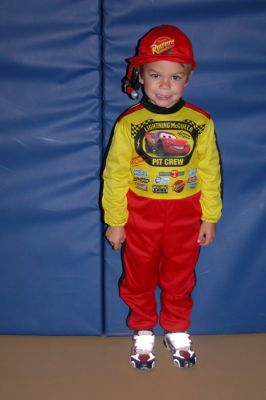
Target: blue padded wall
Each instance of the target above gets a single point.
(53, 57)
(50, 149)
(228, 38)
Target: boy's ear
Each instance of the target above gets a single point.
(188, 77)
(141, 81)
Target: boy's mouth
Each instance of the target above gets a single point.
(163, 97)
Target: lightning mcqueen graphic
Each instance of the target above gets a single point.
(165, 143)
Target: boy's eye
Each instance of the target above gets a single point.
(176, 77)
(155, 76)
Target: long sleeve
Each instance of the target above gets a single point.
(116, 177)
(209, 173)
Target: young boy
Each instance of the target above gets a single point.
(161, 195)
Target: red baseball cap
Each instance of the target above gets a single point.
(165, 42)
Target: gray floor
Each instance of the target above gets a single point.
(77, 368)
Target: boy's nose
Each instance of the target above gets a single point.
(165, 83)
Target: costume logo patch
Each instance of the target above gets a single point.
(166, 143)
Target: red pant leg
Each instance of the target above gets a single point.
(141, 261)
(180, 254)
(161, 249)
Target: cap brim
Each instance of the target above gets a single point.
(136, 61)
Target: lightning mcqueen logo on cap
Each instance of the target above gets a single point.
(162, 45)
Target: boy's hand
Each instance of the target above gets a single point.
(206, 233)
(115, 236)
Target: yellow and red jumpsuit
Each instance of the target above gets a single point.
(161, 179)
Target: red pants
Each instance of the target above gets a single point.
(161, 250)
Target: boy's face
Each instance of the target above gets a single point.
(164, 82)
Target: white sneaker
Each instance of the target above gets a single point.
(179, 344)
(142, 356)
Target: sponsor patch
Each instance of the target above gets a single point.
(141, 180)
(160, 189)
(140, 172)
(161, 179)
(164, 173)
(137, 161)
(192, 185)
(193, 179)
(178, 186)
(192, 182)
(192, 172)
(141, 186)
(173, 173)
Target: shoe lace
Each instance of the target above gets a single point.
(180, 340)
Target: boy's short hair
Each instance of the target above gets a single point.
(187, 67)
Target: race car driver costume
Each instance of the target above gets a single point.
(161, 179)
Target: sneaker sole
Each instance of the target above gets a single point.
(177, 363)
(144, 367)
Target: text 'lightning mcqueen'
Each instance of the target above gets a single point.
(164, 143)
